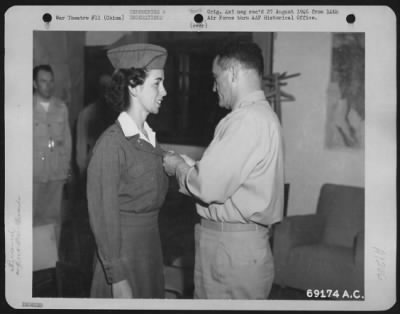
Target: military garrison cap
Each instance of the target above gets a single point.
(138, 56)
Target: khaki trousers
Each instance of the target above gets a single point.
(232, 265)
(47, 203)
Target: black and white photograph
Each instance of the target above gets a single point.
(205, 157)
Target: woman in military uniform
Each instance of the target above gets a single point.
(126, 181)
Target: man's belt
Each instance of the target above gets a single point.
(231, 227)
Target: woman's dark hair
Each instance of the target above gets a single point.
(117, 94)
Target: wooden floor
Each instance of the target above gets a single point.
(73, 273)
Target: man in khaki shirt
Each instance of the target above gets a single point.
(237, 184)
(51, 150)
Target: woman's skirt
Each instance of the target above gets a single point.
(141, 256)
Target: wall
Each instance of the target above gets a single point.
(308, 164)
(102, 38)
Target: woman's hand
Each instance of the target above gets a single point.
(122, 290)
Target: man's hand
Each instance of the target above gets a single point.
(171, 161)
(188, 160)
(122, 290)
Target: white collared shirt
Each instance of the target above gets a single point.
(240, 175)
(130, 128)
(45, 105)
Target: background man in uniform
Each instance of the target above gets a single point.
(51, 149)
(238, 183)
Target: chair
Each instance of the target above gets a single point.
(323, 250)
